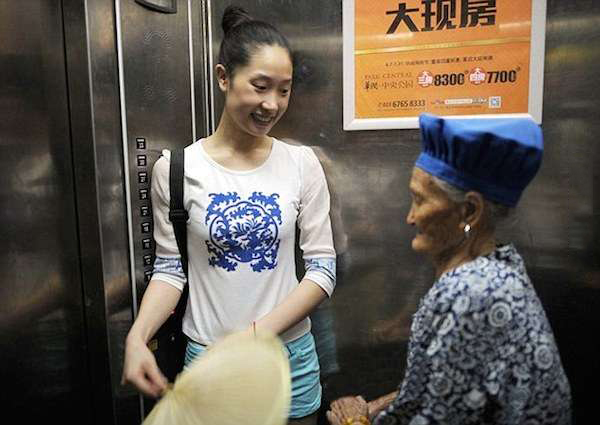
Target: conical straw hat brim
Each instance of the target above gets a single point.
(242, 379)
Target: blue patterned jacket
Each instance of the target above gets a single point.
(482, 351)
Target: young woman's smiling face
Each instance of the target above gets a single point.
(436, 218)
(258, 94)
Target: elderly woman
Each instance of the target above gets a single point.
(481, 350)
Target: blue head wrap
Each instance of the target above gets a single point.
(497, 157)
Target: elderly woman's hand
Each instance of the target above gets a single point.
(381, 403)
(348, 410)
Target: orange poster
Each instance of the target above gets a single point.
(447, 57)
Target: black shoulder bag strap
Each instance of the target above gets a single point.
(169, 337)
(178, 215)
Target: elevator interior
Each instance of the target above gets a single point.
(92, 91)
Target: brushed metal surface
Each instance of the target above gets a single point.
(98, 173)
(43, 346)
(68, 286)
(156, 67)
(557, 227)
(162, 109)
(199, 36)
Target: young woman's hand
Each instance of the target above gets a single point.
(351, 407)
(141, 371)
(140, 368)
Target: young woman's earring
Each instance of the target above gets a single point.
(467, 230)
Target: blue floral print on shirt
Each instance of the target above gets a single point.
(481, 351)
(243, 231)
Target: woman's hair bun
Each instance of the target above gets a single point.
(234, 16)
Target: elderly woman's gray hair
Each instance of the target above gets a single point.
(498, 214)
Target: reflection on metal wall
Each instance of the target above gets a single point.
(67, 281)
(158, 103)
(43, 345)
(561, 225)
(92, 70)
(381, 279)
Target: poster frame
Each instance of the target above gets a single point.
(536, 76)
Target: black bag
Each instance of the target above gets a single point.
(169, 342)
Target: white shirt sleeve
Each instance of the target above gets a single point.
(167, 266)
(316, 238)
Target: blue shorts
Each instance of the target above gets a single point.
(304, 367)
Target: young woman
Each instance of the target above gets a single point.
(245, 192)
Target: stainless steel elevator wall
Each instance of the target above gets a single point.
(157, 99)
(43, 345)
(380, 279)
(68, 283)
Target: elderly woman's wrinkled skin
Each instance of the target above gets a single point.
(440, 226)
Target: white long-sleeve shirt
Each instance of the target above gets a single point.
(241, 236)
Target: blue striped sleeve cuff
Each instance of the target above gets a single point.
(322, 272)
(169, 270)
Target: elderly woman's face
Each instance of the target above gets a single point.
(436, 218)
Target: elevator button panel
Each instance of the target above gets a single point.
(143, 158)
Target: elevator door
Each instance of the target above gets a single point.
(43, 348)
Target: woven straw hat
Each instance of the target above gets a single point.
(242, 379)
